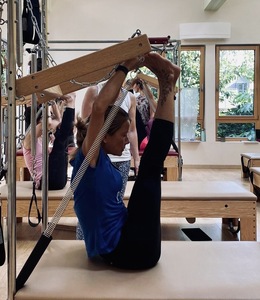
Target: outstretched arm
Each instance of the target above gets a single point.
(28, 138)
(107, 96)
(88, 100)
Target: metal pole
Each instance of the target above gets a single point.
(96, 41)
(33, 110)
(1, 112)
(180, 160)
(19, 34)
(85, 41)
(11, 220)
(45, 141)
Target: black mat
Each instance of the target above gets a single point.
(196, 234)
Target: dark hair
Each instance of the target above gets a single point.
(139, 82)
(82, 124)
(118, 121)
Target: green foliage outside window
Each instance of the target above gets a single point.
(236, 91)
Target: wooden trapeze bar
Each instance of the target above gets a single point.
(86, 68)
(68, 86)
(22, 101)
(150, 80)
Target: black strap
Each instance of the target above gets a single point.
(245, 169)
(256, 189)
(2, 243)
(175, 146)
(32, 261)
(251, 178)
(29, 31)
(34, 199)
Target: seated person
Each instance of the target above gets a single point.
(60, 130)
(125, 237)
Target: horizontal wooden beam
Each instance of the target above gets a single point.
(108, 57)
(69, 86)
(21, 101)
(150, 80)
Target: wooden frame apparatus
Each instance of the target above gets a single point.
(149, 79)
(56, 81)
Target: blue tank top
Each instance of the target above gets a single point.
(98, 205)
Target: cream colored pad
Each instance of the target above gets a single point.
(249, 160)
(186, 270)
(202, 199)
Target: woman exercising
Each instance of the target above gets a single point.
(60, 127)
(125, 237)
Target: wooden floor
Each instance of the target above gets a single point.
(171, 228)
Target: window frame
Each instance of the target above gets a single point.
(238, 119)
(201, 111)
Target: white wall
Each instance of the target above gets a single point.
(118, 20)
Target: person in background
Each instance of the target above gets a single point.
(124, 237)
(146, 106)
(60, 129)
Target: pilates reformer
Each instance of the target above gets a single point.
(216, 199)
(249, 160)
(97, 65)
(186, 270)
(46, 237)
(213, 254)
(254, 177)
(40, 247)
(165, 289)
(48, 84)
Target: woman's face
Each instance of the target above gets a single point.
(115, 144)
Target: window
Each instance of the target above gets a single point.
(237, 70)
(192, 63)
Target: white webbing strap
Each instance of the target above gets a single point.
(65, 200)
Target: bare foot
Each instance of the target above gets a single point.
(162, 68)
(69, 99)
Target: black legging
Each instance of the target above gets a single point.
(139, 246)
(58, 158)
(140, 128)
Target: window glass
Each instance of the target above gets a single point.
(236, 82)
(192, 91)
(237, 71)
